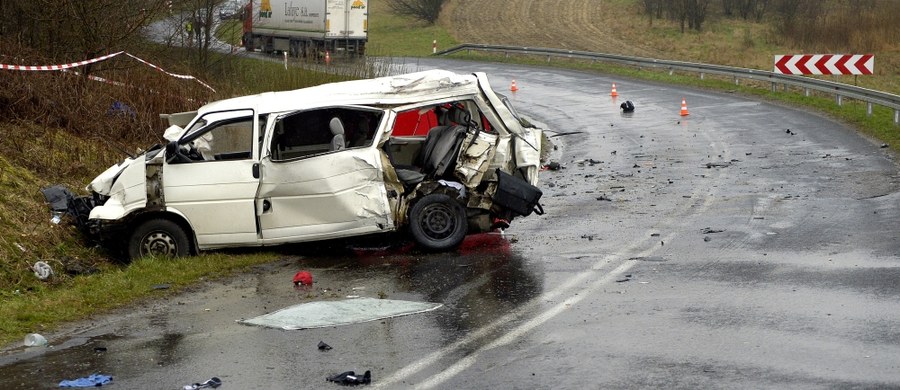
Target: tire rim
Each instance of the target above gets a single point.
(438, 221)
(159, 244)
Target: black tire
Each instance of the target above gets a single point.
(158, 237)
(438, 222)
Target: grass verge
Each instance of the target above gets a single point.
(43, 307)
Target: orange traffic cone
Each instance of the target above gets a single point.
(513, 87)
(614, 93)
(684, 111)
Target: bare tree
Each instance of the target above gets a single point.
(424, 10)
(76, 28)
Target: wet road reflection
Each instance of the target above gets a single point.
(481, 282)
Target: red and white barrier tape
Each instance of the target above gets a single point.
(98, 59)
(59, 67)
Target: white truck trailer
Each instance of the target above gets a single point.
(308, 28)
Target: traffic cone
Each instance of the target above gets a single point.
(614, 93)
(327, 58)
(684, 111)
(513, 87)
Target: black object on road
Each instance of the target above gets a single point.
(350, 378)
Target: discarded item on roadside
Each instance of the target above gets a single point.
(94, 380)
(627, 106)
(35, 340)
(323, 346)
(350, 378)
(708, 230)
(553, 166)
(303, 278)
(209, 383)
(416, 153)
(42, 270)
(333, 313)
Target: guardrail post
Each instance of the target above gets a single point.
(701, 75)
(737, 81)
(896, 116)
(774, 87)
(548, 59)
(840, 100)
(806, 92)
(868, 108)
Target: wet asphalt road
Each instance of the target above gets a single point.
(716, 250)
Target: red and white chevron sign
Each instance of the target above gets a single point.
(825, 64)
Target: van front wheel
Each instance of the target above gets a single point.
(438, 222)
(158, 237)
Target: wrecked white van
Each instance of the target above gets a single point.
(434, 153)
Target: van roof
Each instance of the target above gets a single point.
(391, 90)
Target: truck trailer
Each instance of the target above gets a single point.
(307, 28)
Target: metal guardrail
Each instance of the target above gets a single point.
(807, 83)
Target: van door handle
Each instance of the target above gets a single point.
(256, 170)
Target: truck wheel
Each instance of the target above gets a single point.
(158, 237)
(438, 222)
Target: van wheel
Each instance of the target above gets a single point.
(438, 222)
(158, 237)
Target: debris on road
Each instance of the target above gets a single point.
(566, 133)
(303, 278)
(350, 378)
(94, 380)
(334, 313)
(323, 346)
(552, 166)
(35, 340)
(722, 164)
(210, 383)
(625, 279)
(604, 197)
(628, 106)
(708, 230)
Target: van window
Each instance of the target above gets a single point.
(315, 132)
(221, 136)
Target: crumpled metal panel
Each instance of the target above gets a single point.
(339, 193)
(475, 160)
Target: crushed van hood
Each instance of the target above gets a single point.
(102, 184)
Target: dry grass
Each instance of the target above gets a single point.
(619, 27)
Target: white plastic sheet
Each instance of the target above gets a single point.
(334, 313)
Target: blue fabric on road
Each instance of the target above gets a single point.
(91, 381)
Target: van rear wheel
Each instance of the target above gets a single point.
(158, 237)
(438, 222)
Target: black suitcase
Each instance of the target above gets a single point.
(517, 195)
